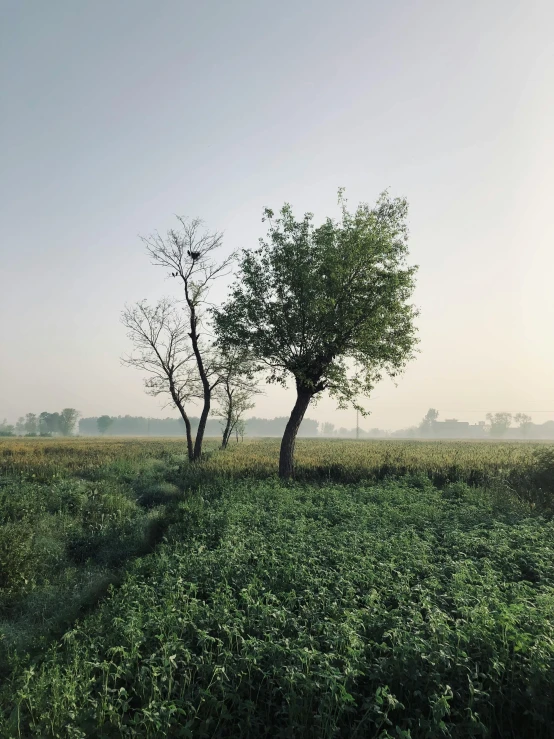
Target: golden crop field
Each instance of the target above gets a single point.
(320, 458)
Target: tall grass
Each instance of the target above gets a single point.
(344, 460)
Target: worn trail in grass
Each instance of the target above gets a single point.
(361, 610)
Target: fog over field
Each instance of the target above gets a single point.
(220, 221)
(118, 115)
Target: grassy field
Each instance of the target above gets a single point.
(321, 459)
(396, 589)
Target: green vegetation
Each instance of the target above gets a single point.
(395, 589)
(70, 520)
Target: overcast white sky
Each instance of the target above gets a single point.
(116, 115)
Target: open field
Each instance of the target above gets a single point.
(396, 589)
(44, 458)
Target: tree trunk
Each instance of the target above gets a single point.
(229, 421)
(207, 391)
(189, 437)
(226, 433)
(187, 426)
(201, 427)
(286, 455)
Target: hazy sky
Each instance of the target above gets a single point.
(117, 115)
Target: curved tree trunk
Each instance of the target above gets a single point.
(286, 455)
(189, 437)
(188, 428)
(207, 390)
(201, 427)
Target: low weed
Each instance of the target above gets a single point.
(390, 610)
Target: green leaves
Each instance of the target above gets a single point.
(300, 610)
(326, 305)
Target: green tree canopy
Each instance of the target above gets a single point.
(328, 306)
(49, 423)
(104, 423)
(31, 424)
(67, 420)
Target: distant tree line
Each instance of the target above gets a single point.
(7, 429)
(328, 429)
(496, 426)
(43, 424)
(142, 426)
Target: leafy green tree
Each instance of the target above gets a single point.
(67, 421)
(20, 426)
(499, 423)
(104, 423)
(328, 429)
(49, 423)
(31, 424)
(326, 306)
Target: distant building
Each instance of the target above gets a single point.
(451, 428)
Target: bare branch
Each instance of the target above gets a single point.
(187, 254)
(234, 390)
(163, 350)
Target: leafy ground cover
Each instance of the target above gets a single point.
(217, 602)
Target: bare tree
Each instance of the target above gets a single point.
(235, 404)
(240, 428)
(524, 422)
(163, 350)
(187, 254)
(235, 390)
(499, 423)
